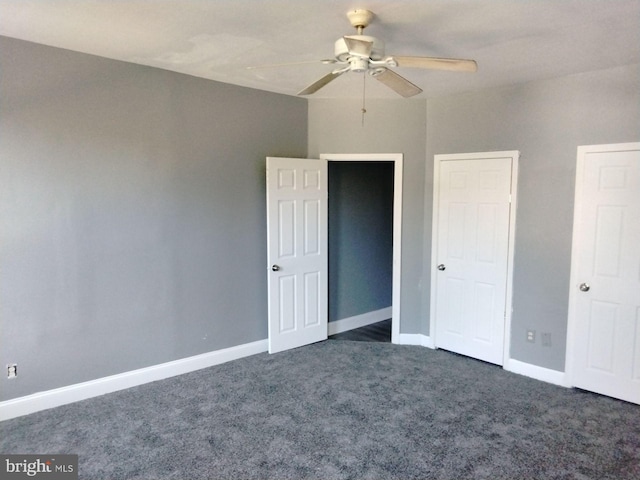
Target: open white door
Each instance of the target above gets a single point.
(297, 255)
(604, 313)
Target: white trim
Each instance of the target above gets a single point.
(397, 159)
(514, 366)
(534, 371)
(575, 246)
(93, 388)
(515, 157)
(506, 352)
(357, 321)
(415, 339)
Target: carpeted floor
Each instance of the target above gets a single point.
(341, 410)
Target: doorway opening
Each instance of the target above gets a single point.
(365, 213)
(361, 247)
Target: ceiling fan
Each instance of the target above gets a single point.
(363, 53)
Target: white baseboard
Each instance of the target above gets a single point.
(539, 373)
(358, 321)
(515, 366)
(415, 339)
(93, 388)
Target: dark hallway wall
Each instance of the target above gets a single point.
(360, 237)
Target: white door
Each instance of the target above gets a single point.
(472, 232)
(297, 252)
(605, 276)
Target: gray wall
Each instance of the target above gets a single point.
(391, 126)
(360, 237)
(546, 121)
(132, 214)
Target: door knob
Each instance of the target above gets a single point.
(275, 268)
(584, 287)
(441, 267)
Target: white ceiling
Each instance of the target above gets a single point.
(513, 41)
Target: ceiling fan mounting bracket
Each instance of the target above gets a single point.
(360, 18)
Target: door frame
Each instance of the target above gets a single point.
(572, 321)
(437, 159)
(397, 159)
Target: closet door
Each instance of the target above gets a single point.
(604, 317)
(472, 233)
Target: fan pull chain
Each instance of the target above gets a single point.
(364, 82)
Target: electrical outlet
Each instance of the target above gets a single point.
(546, 339)
(531, 336)
(12, 370)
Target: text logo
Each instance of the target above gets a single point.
(49, 467)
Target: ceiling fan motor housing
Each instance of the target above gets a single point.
(342, 51)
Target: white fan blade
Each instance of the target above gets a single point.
(358, 47)
(397, 83)
(326, 61)
(318, 84)
(452, 64)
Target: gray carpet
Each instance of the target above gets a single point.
(341, 409)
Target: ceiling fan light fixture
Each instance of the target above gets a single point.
(358, 64)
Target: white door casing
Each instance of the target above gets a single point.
(472, 253)
(297, 243)
(398, 160)
(603, 341)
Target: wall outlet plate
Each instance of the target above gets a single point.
(12, 370)
(531, 336)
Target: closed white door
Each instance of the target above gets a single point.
(472, 220)
(605, 290)
(297, 252)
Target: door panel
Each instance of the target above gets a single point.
(485, 303)
(472, 231)
(606, 264)
(297, 252)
